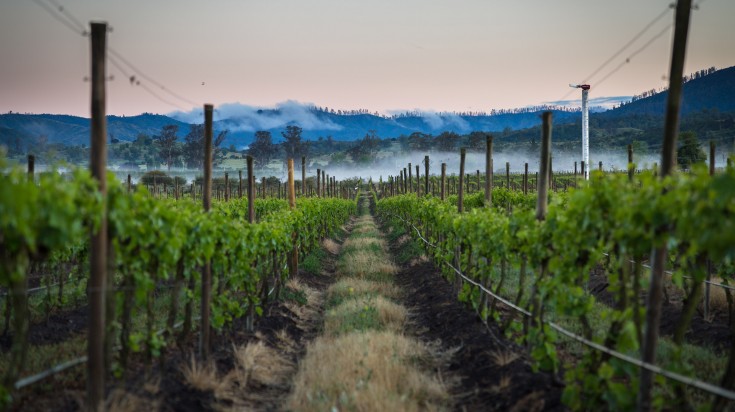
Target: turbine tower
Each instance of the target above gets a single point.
(585, 127)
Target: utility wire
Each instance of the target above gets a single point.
(70, 17)
(635, 53)
(705, 386)
(66, 18)
(149, 78)
(60, 18)
(628, 44)
(134, 81)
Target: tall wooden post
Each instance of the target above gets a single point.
(303, 176)
(426, 175)
(294, 259)
(31, 166)
(130, 183)
(239, 185)
(631, 167)
(709, 262)
(418, 182)
(318, 182)
(507, 175)
(410, 178)
(460, 201)
(525, 179)
(405, 181)
(488, 171)
(443, 192)
(543, 172)
(251, 190)
(668, 158)
(552, 185)
(96, 372)
(324, 183)
(227, 186)
(582, 165)
(207, 202)
(600, 168)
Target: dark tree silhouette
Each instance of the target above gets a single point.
(166, 142)
(194, 146)
(292, 145)
(689, 152)
(262, 149)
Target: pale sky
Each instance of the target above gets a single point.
(380, 55)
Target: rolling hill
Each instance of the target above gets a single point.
(715, 91)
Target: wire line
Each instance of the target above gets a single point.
(705, 386)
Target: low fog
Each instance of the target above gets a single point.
(392, 164)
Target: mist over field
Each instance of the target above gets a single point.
(391, 164)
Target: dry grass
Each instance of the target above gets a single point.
(313, 296)
(364, 243)
(717, 297)
(304, 315)
(260, 364)
(418, 260)
(203, 377)
(504, 358)
(331, 246)
(373, 371)
(362, 263)
(402, 240)
(502, 386)
(356, 287)
(153, 386)
(365, 312)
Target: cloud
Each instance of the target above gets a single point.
(241, 117)
(438, 121)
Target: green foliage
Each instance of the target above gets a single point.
(156, 176)
(610, 215)
(689, 152)
(50, 221)
(313, 262)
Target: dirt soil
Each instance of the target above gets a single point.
(494, 373)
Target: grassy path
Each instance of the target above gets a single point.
(363, 360)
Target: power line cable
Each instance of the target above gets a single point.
(134, 81)
(69, 16)
(635, 53)
(628, 44)
(60, 18)
(149, 78)
(705, 386)
(157, 96)
(65, 17)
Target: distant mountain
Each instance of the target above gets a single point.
(711, 91)
(355, 126)
(72, 130)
